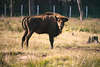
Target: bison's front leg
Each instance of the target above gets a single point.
(51, 39)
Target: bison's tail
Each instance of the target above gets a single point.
(23, 23)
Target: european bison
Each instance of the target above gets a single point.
(45, 23)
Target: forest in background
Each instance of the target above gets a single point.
(62, 7)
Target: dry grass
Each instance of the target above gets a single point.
(69, 51)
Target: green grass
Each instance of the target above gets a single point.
(88, 25)
(84, 30)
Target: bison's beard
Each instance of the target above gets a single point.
(57, 32)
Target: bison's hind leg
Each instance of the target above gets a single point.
(23, 38)
(28, 37)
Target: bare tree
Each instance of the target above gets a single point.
(11, 8)
(79, 2)
(31, 7)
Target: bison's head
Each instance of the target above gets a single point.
(60, 21)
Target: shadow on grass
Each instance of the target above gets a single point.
(12, 53)
(3, 63)
(77, 47)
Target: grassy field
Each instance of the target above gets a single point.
(69, 51)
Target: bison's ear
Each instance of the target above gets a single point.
(66, 19)
(56, 18)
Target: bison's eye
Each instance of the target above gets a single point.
(58, 20)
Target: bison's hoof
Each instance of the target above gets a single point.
(51, 47)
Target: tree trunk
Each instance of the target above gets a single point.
(11, 8)
(79, 2)
(31, 7)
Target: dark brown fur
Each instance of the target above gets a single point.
(40, 24)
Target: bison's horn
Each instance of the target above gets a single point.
(56, 18)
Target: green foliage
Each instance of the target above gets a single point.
(88, 25)
(84, 29)
(37, 63)
(74, 28)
